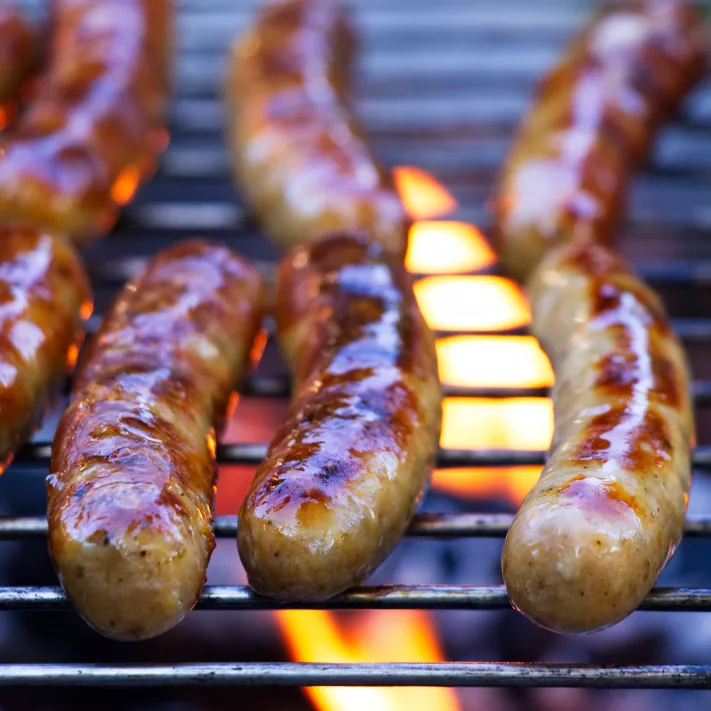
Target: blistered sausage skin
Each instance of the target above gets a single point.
(301, 160)
(44, 296)
(133, 461)
(97, 120)
(345, 472)
(16, 52)
(594, 533)
(591, 124)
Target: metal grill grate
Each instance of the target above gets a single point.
(442, 87)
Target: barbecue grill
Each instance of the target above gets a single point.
(441, 86)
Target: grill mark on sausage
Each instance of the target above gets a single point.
(619, 374)
(328, 438)
(356, 299)
(616, 296)
(592, 259)
(637, 441)
(592, 494)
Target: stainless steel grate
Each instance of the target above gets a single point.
(442, 89)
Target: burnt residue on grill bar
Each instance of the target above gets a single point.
(442, 86)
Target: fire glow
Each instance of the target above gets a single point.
(375, 636)
(126, 185)
(472, 303)
(497, 423)
(510, 484)
(422, 195)
(493, 361)
(446, 248)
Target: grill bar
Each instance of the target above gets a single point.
(448, 458)
(380, 597)
(425, 525)
(279, 387)
(398, 674)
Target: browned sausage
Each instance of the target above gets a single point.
(299, 157)
(593, 121)
(16, 54)
(346, 470)
(608, 511)
(44, 295)
(133, 462)
(97, 120)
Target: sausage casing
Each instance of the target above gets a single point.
(16, 52)
(133, 462)
(344, 473)
(594, 533)
(44, 295)
(96, 123)
(301, 161)
(595, 115)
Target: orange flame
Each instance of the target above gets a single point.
(446, 248)
(211, 441)
(126, 185)
(231, 407)
(72, 356)
(6, 113)
(493, 361)
(472, 303)
(509, 483)
(497, 423)
(378, 636)
(257, 350)
(86, 309)
(423, 196)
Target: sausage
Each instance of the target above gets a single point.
(345, 472)
(596, 530)
(595, 116)
(298, 155)
(16, 53)
(97, 121)
(133, 462)
(44, 296)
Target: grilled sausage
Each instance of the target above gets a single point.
(593, 121)
(44, 295)
(594, 533)
(344, 474)
(96, 122)
(16, 52)
(298, 155)
(133, 462)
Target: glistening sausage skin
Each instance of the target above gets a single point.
(592, 123)
(44, 297)
(345, 472)
(300, 158)
(133, 462)
(594, 533)
(97, 120)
